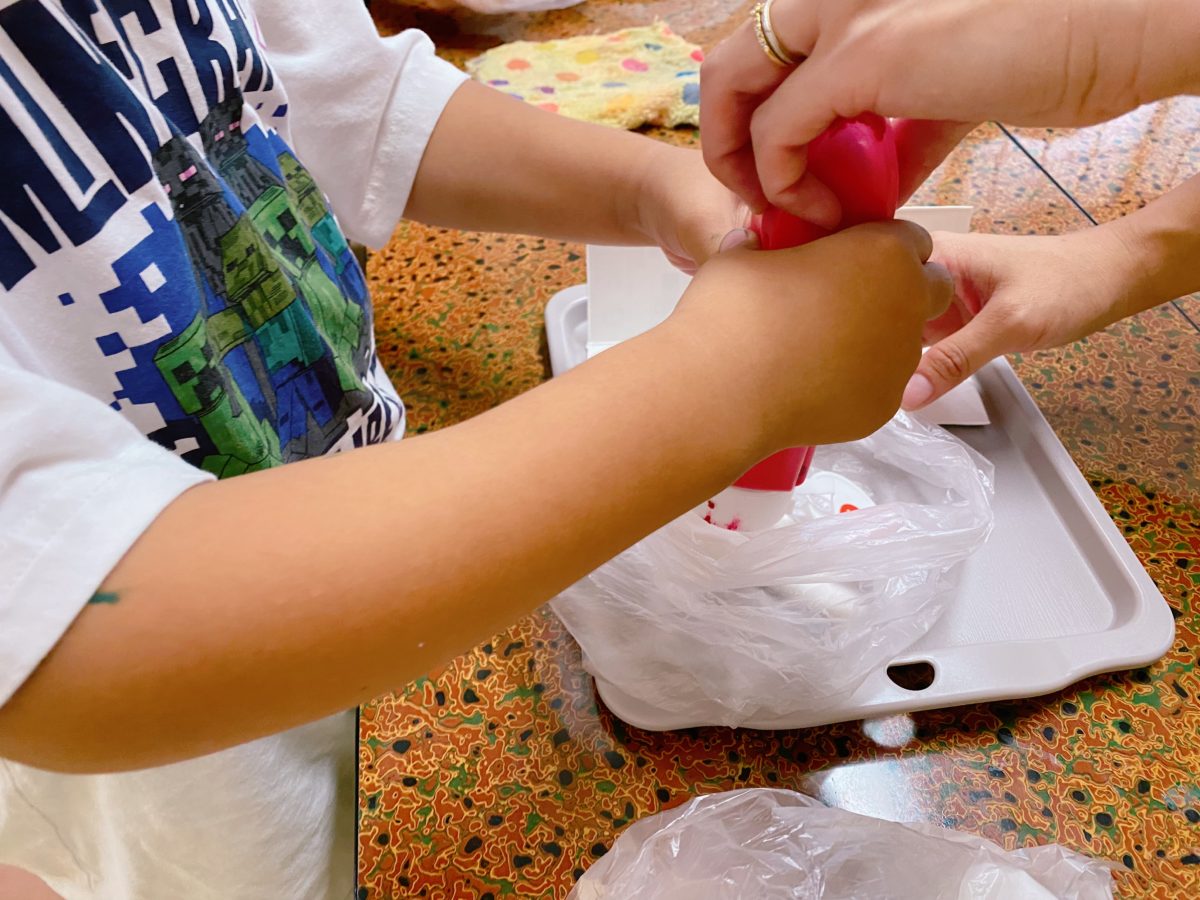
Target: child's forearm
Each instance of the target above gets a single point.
(1163, 240)
(256, 604)
(497, 164)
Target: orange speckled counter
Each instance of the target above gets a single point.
(498, 775)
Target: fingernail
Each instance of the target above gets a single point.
(735, 238)
(917, 392)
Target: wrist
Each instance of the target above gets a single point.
(1114, 274)
(1155, 258)
(648, 197)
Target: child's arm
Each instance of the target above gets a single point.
(362, 111)
(494, 163)
(255, 604)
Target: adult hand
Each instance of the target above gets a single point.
(1022, 61)
(1017, 294)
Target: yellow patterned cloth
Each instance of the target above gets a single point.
(637, 76)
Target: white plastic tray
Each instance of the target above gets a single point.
(1054, 596)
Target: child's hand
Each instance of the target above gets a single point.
(1016, 294)
(816, 343)
(684, 209)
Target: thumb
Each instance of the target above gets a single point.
(952, 361)
(738, 237)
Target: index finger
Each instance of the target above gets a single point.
(734, 79)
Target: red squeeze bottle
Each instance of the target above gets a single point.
(857, 159)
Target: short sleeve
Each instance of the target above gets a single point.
(361, 107)
(78, 485)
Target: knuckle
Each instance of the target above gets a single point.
(775, 188)
(712, 154)
(760, 126)
(870, 240)
(710, 67)
(888, 247)
(948, 361)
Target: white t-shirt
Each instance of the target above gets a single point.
(177, 303)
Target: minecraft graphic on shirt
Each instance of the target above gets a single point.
(231, 318)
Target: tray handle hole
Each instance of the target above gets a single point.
(913, 676)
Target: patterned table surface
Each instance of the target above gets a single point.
(499, 775)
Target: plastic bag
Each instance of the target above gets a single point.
(695, 625)
(761, 844)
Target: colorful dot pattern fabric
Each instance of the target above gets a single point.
(630, 78)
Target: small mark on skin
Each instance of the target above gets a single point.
(109, 597)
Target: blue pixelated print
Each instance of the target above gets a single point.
(240, 314)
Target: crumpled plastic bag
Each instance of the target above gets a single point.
(764, 843)
(696, 625)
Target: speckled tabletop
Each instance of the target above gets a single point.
(499, 775)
